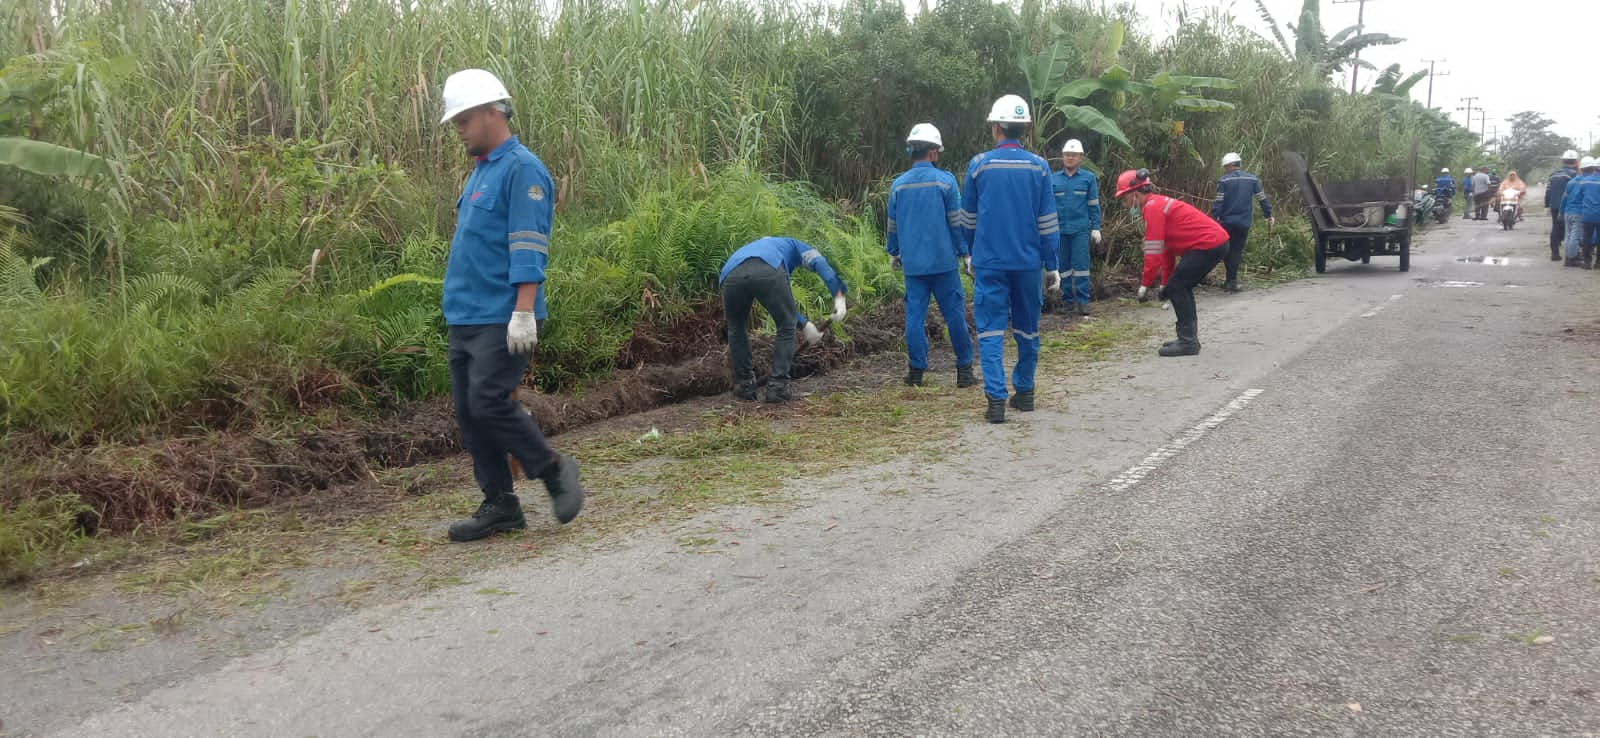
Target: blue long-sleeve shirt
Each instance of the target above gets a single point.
(925, 221)
(1008, 213)
(1077, 197)
(1556, 189)
(502, 237)
(1237, 193)
(1445, 183)
(786, 254)
(1583, 198)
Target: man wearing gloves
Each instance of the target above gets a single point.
(1011, 227)
(1555, 189)
(1077, 195)
(925, 243)
(494, 301)
(1234, 207)
(760, 272)
(1173, 229)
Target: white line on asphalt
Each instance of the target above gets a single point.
(1138, 472)
(1379, 308)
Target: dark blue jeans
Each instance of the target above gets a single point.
(483, 375)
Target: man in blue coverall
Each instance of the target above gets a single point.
(1237, 194)
(1466, 194)
(925, 243)
(1077, 195)
(494, 302)
(1444, 186)
(1011, 227)
(760, 271)
(1554, 191)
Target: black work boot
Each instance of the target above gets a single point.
(498, 514)
(745, 389)
(1022, 401)
(1586, 257)
(914, 377)
(996, 412)
(1083, 309)
(1231, 285)
(566, 492)
(1555, 253)
(964, 377)
(1571, 262)
(1188, 343)
(778, 391)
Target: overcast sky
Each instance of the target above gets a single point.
(1528, 31)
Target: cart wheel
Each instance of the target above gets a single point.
(1322, 254)
(1405, 253)
(1366, 258)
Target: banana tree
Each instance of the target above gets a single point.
(34, 89)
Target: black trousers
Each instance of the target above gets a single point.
(1192, 268)
(749, 283)
(1237, 236)
(483, 374)
(1558, 231)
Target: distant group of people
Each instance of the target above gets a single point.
(1482, 190)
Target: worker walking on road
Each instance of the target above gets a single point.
(1467, 200)
(1173, 229)
(1012, 230)
(1582, 201)
(926, 243)
(1482, 192)
(760, 271)
(1234, 207)
(1077, 196)
(1555, 189)
(494, 303)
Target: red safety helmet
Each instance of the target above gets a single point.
(1132, 180)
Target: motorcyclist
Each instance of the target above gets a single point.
(1445, 186)
(1511, 189)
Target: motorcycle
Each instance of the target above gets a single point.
(1422, 205)
(1510, 209)
(1441, 203)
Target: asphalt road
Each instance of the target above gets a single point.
(1368, 508)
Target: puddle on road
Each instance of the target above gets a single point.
(1493, 260)
(1447, 283)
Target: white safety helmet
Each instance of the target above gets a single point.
(925, 133)
(1588, 163)
(1010, 109)
(1569, 156)
(1445, 170)
(1072, 146)
(1469, 170)
(468, 89)
(1232, 157)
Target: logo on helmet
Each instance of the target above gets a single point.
(1018, 110)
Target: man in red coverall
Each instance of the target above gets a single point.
(1173, 229)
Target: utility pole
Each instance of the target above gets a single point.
(1468, 108)
(1361, 18)
(1431, 75)
(1483, 126)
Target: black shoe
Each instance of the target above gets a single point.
(964, 377)
(996, 412)
(1180, 347)
(1022, 401)
(1231, 285)
(1570, 263)
(745, 390)
(1083, 309)
(778, 392)
(500, 514)
(566, 492)
(914, 378)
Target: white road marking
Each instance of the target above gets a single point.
(1138, 472)
(1381, 305)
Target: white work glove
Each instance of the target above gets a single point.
(1144, 293)
(1094, 235)
(966, 263)
(1272, 222)
(896, 264)
(522, 334)
(1052, 280)
(838, 307)
(812, 334)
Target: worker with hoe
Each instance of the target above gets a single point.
(1555, 189)
(1181, 245)
(1234, 207)
(925, 243)
(1077, 193)
(1012, 231)
(760, 271)
(494, 303)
